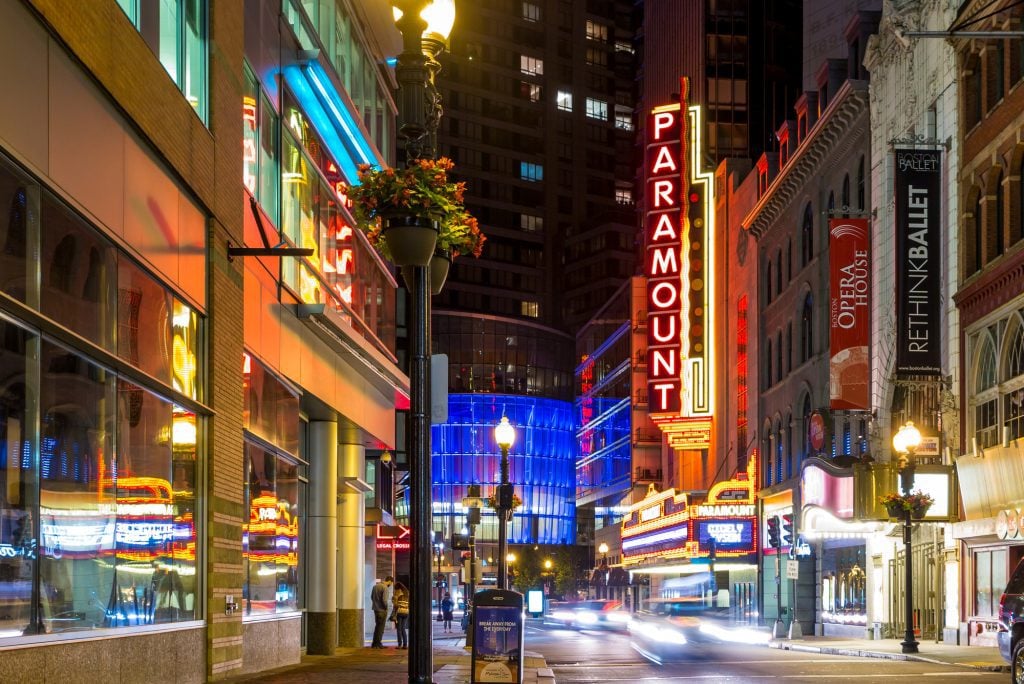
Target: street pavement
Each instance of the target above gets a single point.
(978, 657)
(452, 659)
(390, 665)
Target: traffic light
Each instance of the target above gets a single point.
(786, 538)
(774, 540)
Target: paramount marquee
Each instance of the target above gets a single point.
(666, 527)
(680, 249)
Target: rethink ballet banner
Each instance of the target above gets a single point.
(918, 262)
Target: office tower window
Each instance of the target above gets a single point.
(623, 196)
(624, 121)
(533, 66)
(531, 11)
(596, 31)
(531, 309)
(531, 172)
(564, 100)
(531, 223)
(596, 57)
(531, 91)
(597, 109)
(176, 31)
(623, 46)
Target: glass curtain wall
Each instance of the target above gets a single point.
(98, 468)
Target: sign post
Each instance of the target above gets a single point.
(497, 637)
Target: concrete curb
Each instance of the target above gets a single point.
(862, 653)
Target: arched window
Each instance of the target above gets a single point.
(789, 260)
(861, 185)
(979, 234)
(766, 449)
(807, 237)
(807, 329)
(778, 272)
(846, 192)
(1013, 403)
(768, 365)
(768, 282)
(986, 406)
(779, 455)
(972, 91)
(778, 356)
(790, 460)
(1000, 215)
(806, 414)
(789, 347)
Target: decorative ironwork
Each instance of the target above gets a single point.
(919, 139)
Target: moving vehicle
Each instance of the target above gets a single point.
(675, 629)
(592, 614)
(1010, 636)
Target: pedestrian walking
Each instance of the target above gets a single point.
(401, 613)
(446, 611)
(379, 604)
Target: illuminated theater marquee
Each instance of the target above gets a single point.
(679, 240)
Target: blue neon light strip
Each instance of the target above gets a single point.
(677, 533)
(359, 146)
(321, 122)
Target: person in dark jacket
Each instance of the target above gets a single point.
(379, 604)
(446, 611)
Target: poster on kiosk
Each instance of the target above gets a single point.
(497, 637)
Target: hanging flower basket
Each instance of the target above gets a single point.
(896, 504)
(398, 209)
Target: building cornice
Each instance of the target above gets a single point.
(849, 105)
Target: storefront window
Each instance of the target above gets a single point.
(844, 586)
(18, 481)
(143, 316)
(269, 410)
(270, 539)
(989, 580)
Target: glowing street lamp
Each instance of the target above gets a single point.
(904, 443)
(505, 436)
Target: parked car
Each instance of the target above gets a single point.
(1011, 624)
(674, 629)
(593, 614)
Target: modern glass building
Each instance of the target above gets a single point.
(540, 466)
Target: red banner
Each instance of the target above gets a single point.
(849, 313)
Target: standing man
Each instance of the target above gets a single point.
(379, 603)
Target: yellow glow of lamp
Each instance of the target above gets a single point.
(511, 558)
(440, 17)
(603, 548)
(547, 564)
(907, 439)
(504, 434)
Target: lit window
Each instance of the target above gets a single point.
(531, 309)
(533, 66)
(597, 109)
(531, 172)
(596, 57)
(597, 31)
(564, 100)
(531, 11)
(624, 121)
(623, 46)
(177, 33)
(623, 196)
(531, 223)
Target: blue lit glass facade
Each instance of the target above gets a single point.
(541, 465)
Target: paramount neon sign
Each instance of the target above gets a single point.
(680, 251)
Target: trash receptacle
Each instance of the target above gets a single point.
(497, 637)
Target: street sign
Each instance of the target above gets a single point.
(792, 569)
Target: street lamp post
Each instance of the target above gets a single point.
(603, 550)
(424, 25)
(904, 442)
(505, 436)
(510, 559)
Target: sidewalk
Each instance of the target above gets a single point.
(451, 660)
(978, 657)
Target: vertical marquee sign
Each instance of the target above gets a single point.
(679, 239)
(918, 261)
(849, 313)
